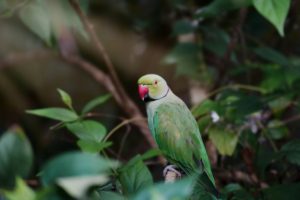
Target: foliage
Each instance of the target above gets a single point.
(234, 48)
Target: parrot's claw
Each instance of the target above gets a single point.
(172, 168)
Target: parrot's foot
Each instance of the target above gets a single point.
(172, 168)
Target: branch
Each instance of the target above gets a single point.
(114, 85)
(99, 46)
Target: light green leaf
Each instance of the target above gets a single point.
(274, 11)
(277, 130)
(92, 146)
(78, 186)
(95, 102)
(65, 97)
(280, 104)
(60, 114)
(21, 191)
(204, 107)
(87, 130)
(36, 19)
(224, 140)
(75, 164)
(180, 190)
(135, 176)
(14, 149)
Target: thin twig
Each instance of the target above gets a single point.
(120, 126)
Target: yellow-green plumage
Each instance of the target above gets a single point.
(176, 131)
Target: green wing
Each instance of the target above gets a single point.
(178, 137)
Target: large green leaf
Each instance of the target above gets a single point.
(75, 164)
(16, 156)
(180, 190)
(274, 10)
(95, 102)
(135, 176)
(88, 130)
(37, 20)
(21, 191)
(60, 114)
(224, 140)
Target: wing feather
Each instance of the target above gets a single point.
(178, 137)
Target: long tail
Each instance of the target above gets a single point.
(204, 189)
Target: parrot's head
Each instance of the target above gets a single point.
(152, 87)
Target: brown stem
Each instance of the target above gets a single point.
(113, 84)
(106, 81)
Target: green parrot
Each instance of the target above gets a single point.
(175, 130)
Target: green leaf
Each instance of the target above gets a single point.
(216, 40)
(272, 55)
(180, 190)
(88, 130)
(36, 19)
(151, 153)
(187, 57)
(274, 11)
(224, 140)
(291, 151)
(285, 191)
(75, 164)
(107, 195)
(65, 97)
(276, 130)
(135, 176)
(218, 7)
(183, 27)
(204, 107)
(237, 192)
(278, 105)
(16, 156)
(95, 102)
(60, 114)
(92, 146)
(21, 191)
(77, 187)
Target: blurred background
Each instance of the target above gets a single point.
(234, 62)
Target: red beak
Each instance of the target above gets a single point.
(143, 91)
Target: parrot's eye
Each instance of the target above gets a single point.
(155, 82)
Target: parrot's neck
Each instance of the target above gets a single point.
(151, 106)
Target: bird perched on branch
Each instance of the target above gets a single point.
(176, 133)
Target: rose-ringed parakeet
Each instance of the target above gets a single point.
(175, 130)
